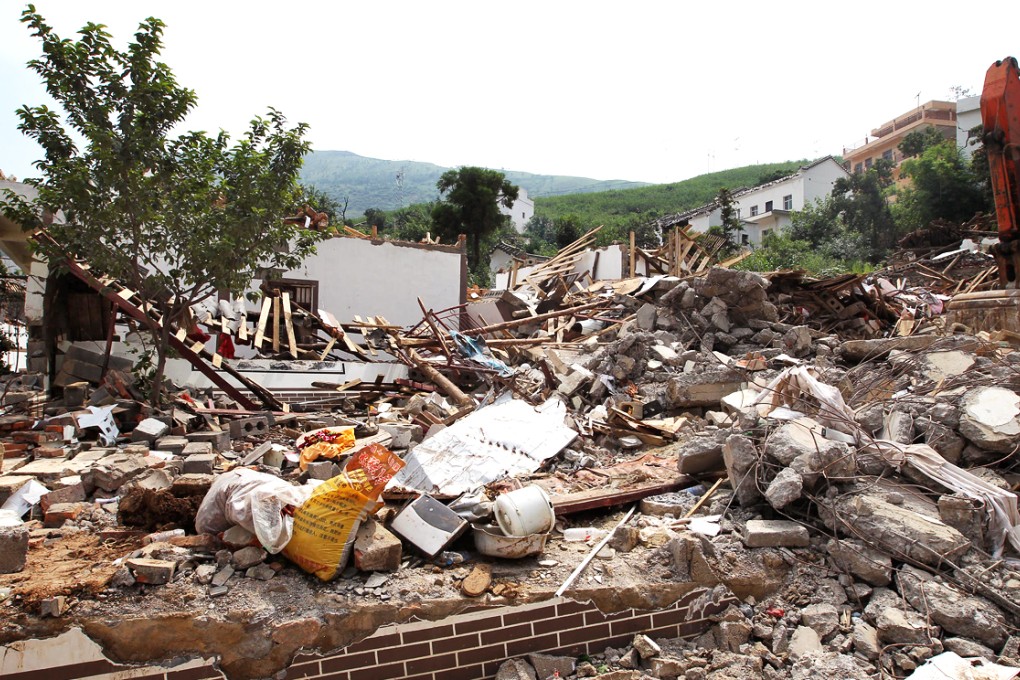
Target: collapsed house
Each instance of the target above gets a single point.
(699, 472)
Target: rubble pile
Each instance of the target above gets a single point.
(852, 493)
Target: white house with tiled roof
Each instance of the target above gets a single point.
(767, 207)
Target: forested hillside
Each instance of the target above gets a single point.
(388, 185)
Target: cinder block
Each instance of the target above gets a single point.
(259, 425)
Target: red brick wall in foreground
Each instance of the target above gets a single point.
(463, 647)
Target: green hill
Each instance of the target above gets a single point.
(619, 210)
(373, 183)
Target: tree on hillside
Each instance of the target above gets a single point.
(470, 203)
(175, 219)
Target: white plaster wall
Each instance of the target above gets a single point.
(818, 182)
(968, 115)
(522, 210)
(382, 278)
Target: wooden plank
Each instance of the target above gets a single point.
(288, 322)
(329, 347)
(582, 501)
(276, 324)
(260, 332)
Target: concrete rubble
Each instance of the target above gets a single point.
(767, 458)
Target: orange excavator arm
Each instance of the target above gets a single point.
(1000, 117)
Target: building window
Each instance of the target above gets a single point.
(764, 233)
(768, 206)
(867, 164)
(887, 154)
(524, 215)
(788, 202)
(858, 168)
(738, 213)
(754, 210)
(745, 239)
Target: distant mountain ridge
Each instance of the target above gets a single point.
(373, 182)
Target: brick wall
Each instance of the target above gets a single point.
(464, 647)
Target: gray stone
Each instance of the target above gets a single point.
(112, 472)
(785, 488)
(822, 618)
(248, 557)
(204, 574)
(222, 576)
(861, 561)
(645, 646)
(968, 648)
(261, 572)
(797, 341)
(258, 425)
(13, 548)
(740, 456)
(645, 317)
(516, 669)
(956, 612)
(549, 665)
(733, 634)
(775, 533)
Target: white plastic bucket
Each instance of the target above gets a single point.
(525, 512)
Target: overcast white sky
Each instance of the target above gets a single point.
(645, 91)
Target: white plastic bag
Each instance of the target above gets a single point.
(255, 501)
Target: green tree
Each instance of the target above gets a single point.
(324, 202)
(175, 219)
(860, 202)
(470, 203)
(942, 186)
(375, 217)
(731, 224)
(915, 143)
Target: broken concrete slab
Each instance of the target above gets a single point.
(740, 456)
(785, 488)
(200, 464)
(955, 611)
(704, 388)
(898, 626)
(775, 533)
(860, 560)
(871, 513)
(990, 418)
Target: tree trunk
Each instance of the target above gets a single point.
(161, 334)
